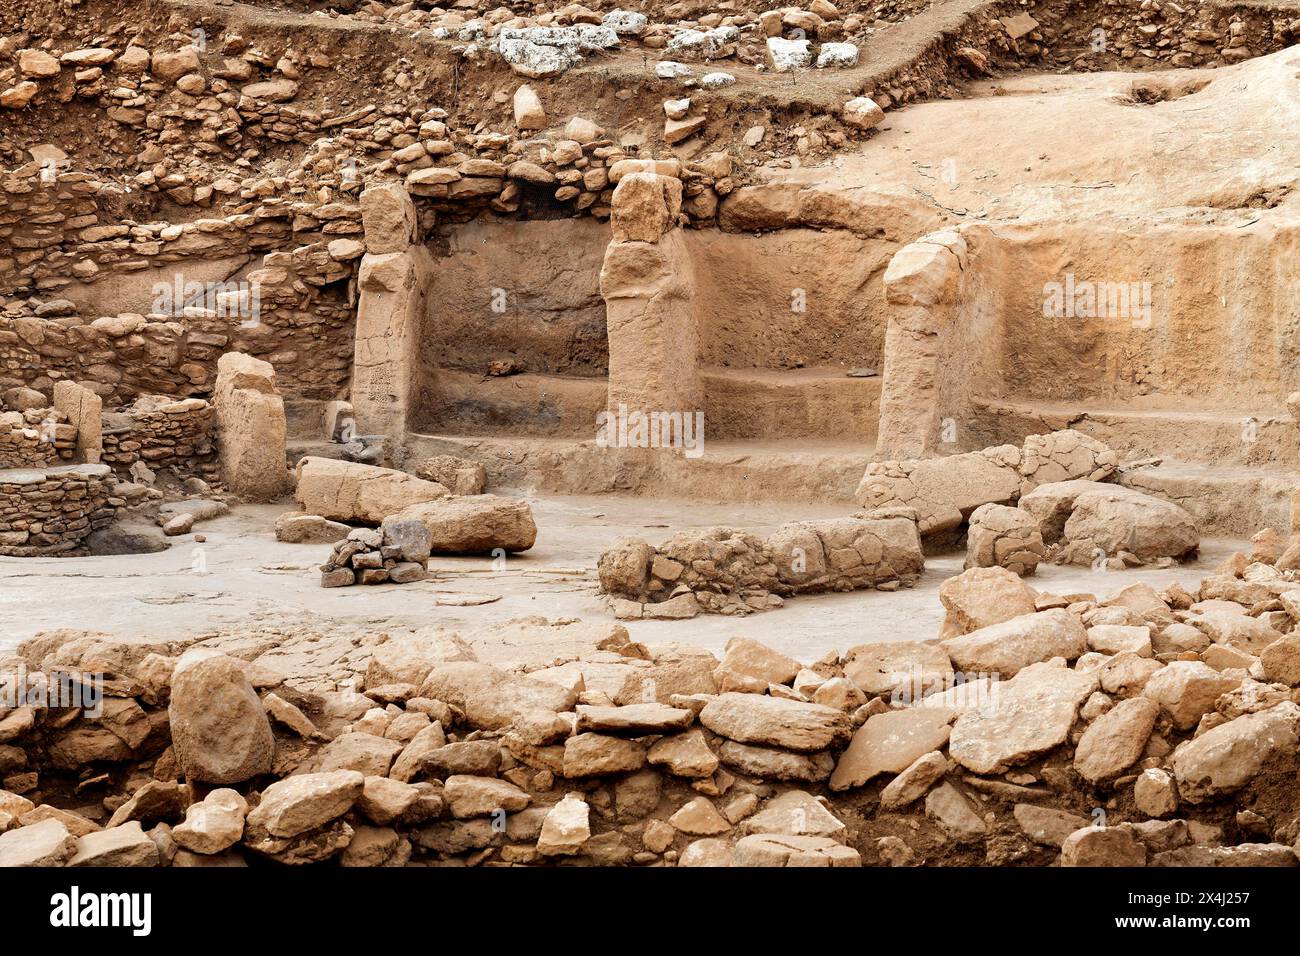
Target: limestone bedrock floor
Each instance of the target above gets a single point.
(242, 575)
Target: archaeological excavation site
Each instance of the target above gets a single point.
(643, 434)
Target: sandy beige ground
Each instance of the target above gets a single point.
(251, 579)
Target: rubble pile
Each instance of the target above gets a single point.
(1142, 728)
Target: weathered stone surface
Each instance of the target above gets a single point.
(589, 755)
(458, 475)
(470, 796)
(368, 754)
(775, 849)
(251, 428)
(1187, 689)
(1226, 758)
(493, 699)
(913, 782)
(979, 597)
(1113, 519)
(294, 528)
(1154, 793)
(1115, 740)
(348, 491)
(47, 843)
(566, 828)
(125, 845)
(771, 721)
(303, 803)
(754, 659)
(388, 215)
(1103, 846)
(1028, 715)
(219, 728)
(1003, 537)
(636, 720)
(474, 524)
(890, 743)
(699, 817)
(1046, 825)
(906, 670)
(943, 490)
(684, 755)
(1247, 854)
(214, 824)
(949, 808)
(796, 813)
(1012, 645)
(707, 852)
(770, 763)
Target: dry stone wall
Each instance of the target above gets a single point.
(51, 511)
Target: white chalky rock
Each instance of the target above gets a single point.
(837, 55)
(716, 81)
(549, 51)
(786, 55)
(862, 112)
(625, 22)
(671, 70)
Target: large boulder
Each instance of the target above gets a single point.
(1010, 646)
(774, 722)
(494, 699)
(979, 597)
(474, 524)
(251, 428)
(1026, 716)
(1111, 519)
(1227, 757)
(348, 491)
(220, 731)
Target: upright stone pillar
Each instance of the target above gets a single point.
(251, 428)
(921, 285)
(84, 409)
(648, 283)
(393, 282)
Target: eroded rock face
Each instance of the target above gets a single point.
(219, 728)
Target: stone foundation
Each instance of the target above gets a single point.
(50, 512)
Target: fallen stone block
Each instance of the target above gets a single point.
(348, 491)
(476, 524)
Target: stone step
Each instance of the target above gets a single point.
(1256, 437)
(726, 471)
(1225, 500)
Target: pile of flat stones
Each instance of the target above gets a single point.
(398, 553)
